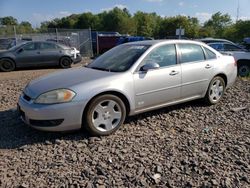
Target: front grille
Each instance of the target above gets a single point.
(26, 97)
(46, 123)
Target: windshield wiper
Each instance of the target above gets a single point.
(99, 68)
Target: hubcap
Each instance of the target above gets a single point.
(106, 115)
(216, 90)
(66, 62)
(7, 65)
(244, 70)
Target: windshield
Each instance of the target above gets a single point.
(17, 46)
(120, 58)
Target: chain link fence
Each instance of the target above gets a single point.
(78, 38)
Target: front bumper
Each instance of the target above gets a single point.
(55, 117)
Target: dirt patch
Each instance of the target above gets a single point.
(188, 145)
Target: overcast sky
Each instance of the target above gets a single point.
(36, 11)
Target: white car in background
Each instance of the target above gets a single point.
(241, 55)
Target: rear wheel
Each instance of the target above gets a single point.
(7, 65)
(65, 62)
(215, 90)
(104, 115)
(244, 70)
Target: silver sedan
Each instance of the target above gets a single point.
(127, 80)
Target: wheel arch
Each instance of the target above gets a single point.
(239, 61)
(223, 76)
(63, 56)
(11, 59)
(115, 93)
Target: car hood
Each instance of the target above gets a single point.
(64, 79)
(4, 53)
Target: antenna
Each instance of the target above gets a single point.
(238, 11)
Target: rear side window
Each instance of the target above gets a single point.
(230, 47)
(47, 46)
(191, 53)
(209, 54)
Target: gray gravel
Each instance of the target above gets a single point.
(188, 145)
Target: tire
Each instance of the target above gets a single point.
(7, 65)
(215, 90)
(104, 115)
(65, 62)
(244, 70)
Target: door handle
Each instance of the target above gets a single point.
(208, 66)
(173, 72)
(38, 52)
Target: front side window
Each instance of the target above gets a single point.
(29, 47)
(191, 53)
(164, 56)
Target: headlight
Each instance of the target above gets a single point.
(55, 96)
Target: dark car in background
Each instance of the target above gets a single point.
(225, 46)
(214, 40)
(39, 53)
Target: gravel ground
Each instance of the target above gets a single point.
(188, 145)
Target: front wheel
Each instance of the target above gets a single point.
(104, 115)
(65, 62)
(7, 65)
(215, 90)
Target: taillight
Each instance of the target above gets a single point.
(235, 62)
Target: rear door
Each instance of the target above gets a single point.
(197, 70)
(51, 53)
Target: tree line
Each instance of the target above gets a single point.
(144, 24)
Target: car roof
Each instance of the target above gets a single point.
(215, 40)
(170, 41)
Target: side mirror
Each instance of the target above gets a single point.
(150, 66)
(20, 50)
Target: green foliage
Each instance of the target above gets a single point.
(8, 20)
(141, 24)
(169, 25)
(116, 20)
(9, 25)
(218, 24)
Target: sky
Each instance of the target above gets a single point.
(36, 11)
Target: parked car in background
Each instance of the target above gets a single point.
(241, 55)
(6, 43)
(129, 79)
(33, 54)
(214, 40)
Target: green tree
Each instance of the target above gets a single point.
(8, 20)
(117, 20)
(24, 27)
(146, 24)
(218, 23)
(87, 20)
(170, 24)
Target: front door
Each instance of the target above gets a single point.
(159, 86)
(29, 55)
